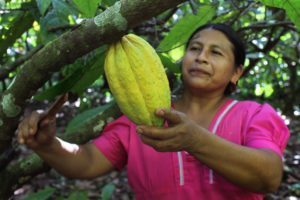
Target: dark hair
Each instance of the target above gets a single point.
(239, 51)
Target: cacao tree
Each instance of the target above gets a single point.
(50, 47)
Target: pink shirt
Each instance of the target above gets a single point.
(178, 175)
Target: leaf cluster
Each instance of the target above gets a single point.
(269, 28)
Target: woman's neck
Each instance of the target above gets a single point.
(194, 105)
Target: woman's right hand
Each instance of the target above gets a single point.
(37, 130)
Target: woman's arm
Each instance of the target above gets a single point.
(75, 161)
(256, 170)
(72, 160)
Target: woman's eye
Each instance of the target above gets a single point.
(217, 52)
(195, 48)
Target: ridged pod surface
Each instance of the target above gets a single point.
(137, 80)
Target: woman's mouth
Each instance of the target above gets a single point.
(198, 72)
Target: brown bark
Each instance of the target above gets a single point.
(18, 173)
(82, 39)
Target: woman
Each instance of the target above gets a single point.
(212, 147)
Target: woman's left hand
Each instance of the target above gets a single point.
(181, 133)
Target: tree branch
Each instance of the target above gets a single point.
(105, 28)
(18, 173)
(263, 25)
(5, 70)
(193, 6)
(19, 25)
(268, 46)
(242, 10)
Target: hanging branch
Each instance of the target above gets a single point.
(193, 6)
(18, 173)
(268, 46)
(242, 10)
(263, 25)
(5, 70)
(105, 28)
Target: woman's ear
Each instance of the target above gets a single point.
(238, 72)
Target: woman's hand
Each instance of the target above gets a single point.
(181, 134)
(36, 133)
(38, 130)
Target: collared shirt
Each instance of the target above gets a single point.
(156, 175)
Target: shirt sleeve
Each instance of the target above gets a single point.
(267, 130)
(111, 142)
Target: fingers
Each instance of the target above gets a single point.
(28, 127)
(20, 137)
(172, 116)
(155, 133)
(36, 128)
(44, 122)
(161, 145)
(33, 123)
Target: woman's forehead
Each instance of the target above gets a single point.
(213, 37)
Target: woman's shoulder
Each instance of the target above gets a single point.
(121, 122)
(254, 105)
(248, 103)
(123, 119)
(251, 108)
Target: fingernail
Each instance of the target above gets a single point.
(45, 122)
(139, 130)
(160, 112)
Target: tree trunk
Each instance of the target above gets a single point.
(105, 28)
(18, 173)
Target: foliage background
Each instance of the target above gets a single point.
(270, 29)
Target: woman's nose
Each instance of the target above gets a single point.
(202, 56)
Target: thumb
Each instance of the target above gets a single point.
(48, 120)
(171, 115)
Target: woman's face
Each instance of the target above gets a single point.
(208, 64)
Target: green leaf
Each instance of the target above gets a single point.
(87, 8)
(93, 73)
(78, 195)
(76, 123)
(79, 79)
(292, 8)
(268, 90)
(62, 9)
(180, 33)
(60, 198)
(225, 17)
(46, 23)
(20, 24)
(52, 20)
(41, 195)
(62, 87)
(107, 191)
(43, 5)
(2, 4)
(108, 2)
(168, 63)
(295, 187)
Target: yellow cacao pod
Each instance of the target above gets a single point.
(137, 79)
